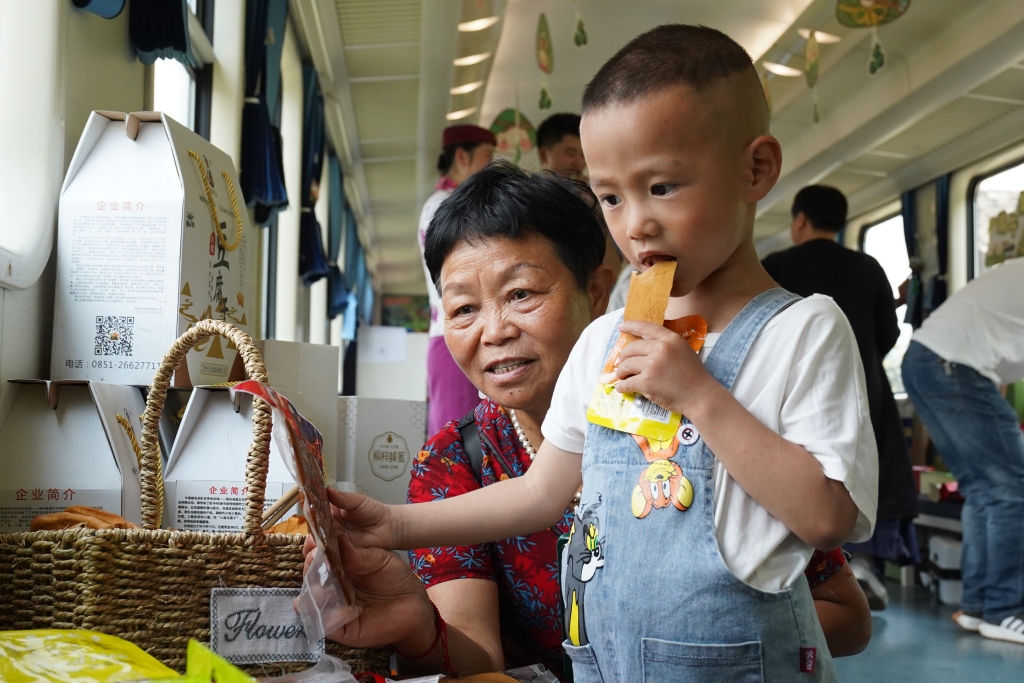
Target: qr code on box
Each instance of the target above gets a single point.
(114, 335)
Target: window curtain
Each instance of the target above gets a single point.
(936, 291)
(914, 315)
(312, 262)
(337, 288)
(159, 29)
(262, 170)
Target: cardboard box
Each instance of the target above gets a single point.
(204, 480)
(308, 375)
(139, 259)
(379, 440)
(391, 363)
(61, 444)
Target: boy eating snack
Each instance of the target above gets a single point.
(686, 556)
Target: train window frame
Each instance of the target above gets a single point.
(891, 366)
(972, 194)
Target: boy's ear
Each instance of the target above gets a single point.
(602, 280)
(764, 156)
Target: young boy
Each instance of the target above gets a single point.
(776, 445)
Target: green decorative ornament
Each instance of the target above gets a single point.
(515, 134)
(869, 13)
(877, 59)
(545, 98)
(545, 53)
(580, 37)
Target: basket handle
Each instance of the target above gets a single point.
(259, 452)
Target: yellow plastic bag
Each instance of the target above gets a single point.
(206, 667)
(58, 656)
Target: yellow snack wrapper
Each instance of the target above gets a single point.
(634, 413)
(72, 656)
(204, 666)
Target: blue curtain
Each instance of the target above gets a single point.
(312, 262)
(914, 294)
(337, 288)
(159, 29)
(936, 292)
(262, 169)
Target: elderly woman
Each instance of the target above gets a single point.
(518, 261)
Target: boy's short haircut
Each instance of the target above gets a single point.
(556, 127)
(824, 206)
(666, 56)
(505, 201)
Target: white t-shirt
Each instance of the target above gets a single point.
(982, 325)
(436, 312)
(803, 379)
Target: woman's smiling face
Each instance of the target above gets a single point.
(512, 314)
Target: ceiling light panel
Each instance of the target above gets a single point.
(477, 24)
(782, 69)
(460, 114)
(466, 88)
(821, 36)
(471, 59)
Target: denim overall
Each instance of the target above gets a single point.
(646, 593)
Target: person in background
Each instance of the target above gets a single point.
(450, 395)
(818, 264)
(956, 362)
(558, 143)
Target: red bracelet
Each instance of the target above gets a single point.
(441, 636)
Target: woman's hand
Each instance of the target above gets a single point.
(370, 523)
(396, 609)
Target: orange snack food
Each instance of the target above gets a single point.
(80, 516)
(296, 524)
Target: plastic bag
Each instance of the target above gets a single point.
(59, 656)
(204, 666)
(328, 670)
(327, 599)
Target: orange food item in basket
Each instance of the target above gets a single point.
(80, 516)
(296, 524)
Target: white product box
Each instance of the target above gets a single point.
(391, 363)
(379, 440)
(61, 444)
(308, 375)
(138, 257)
(944, 552)
(204, 480)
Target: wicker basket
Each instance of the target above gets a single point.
(152, 586)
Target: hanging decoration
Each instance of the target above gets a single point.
(812, 57)
(871, 14)
(545, 60)
(516, 135)
(580, 36)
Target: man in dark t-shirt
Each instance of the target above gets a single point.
(817, 264)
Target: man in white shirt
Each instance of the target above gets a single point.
(465, 150)
(966, 349)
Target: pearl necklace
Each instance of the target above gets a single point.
(522, 436)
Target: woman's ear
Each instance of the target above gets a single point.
(602, 280)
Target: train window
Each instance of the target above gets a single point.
(885, 241)
(997, 229)
(174, 91)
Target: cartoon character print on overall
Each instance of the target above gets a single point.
(662, 483)
(582, 558)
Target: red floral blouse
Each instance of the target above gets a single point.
(525, 568)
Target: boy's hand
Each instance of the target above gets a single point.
(662, 366)
(370, 523)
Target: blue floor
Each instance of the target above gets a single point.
(915, 641)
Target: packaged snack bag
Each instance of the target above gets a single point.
(327, 600)
(635, 413)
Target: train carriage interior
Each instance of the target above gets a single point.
(272, 170)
